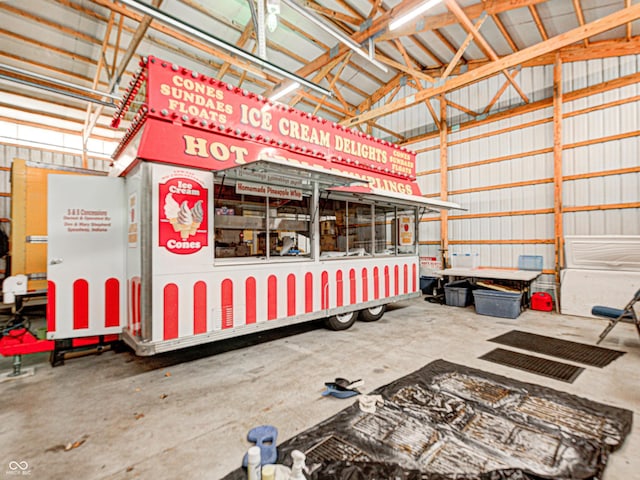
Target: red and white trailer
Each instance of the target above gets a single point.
(227, 214)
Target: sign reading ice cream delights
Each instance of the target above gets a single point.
(183, 215)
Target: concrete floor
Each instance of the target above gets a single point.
(186, 414)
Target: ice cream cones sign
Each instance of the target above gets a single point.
(184, 220)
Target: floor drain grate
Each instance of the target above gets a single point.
(548, 368)
(554, 347)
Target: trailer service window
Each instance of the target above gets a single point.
(358, 229)
(245, 227)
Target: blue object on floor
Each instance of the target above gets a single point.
(335, 391)
(264, 437)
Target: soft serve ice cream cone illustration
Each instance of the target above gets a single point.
(171, 210)
(185, 220)
(197, 214)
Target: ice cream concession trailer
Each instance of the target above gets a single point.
(226, 214)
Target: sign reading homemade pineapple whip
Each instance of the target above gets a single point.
(182, 213)
(211, 106)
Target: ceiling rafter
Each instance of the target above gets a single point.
(96, 79)
(39, 113)
(445, 41)
(52, 25)
(456, 58)
(404, 68)
(332, 83)
(395, 82)
(134, 42)
(453, 6)
(425, 49)
(579, 13)
(459, 107)
(627, 4)
(348, 31)
(434, 22)
(505, 33)
(596, 27)
(112, 5)
(538, 21)
(333, 14)
(377, 5)
(320, 75)
(347, 106)
(47, 46)
(400, 138)
(349, 8)
(244, 38)
(418, 85)
(114, 61)
(572, 53)
(499, 93)
(276, 47)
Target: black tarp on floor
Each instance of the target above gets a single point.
(447, 421)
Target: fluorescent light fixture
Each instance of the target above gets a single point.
(317, 20)
(201, 35)
(413, 14)
(285, 91)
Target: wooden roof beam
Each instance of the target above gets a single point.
(349, 8)
(433, 22)
(332, 83)
(453, 6)
(333, 14)
(538, 22)
(386, 130)
(403, 68)
(426, 50)
(627, 4)
(86, 131)
(246, 34)
(445, 41)
(392, 84)
(505, 33)
(377, 26)
(418, 85)
(596, 27)
(580, 15)
(375, 6)
(408, 60)
(572, 53)
(456, 58)
(497, 96)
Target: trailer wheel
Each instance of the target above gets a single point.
(372, 314)
(341, 322)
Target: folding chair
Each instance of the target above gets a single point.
(615, 315)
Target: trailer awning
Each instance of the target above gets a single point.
(379, 195)
(278, 172)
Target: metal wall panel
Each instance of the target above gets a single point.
(536, 230)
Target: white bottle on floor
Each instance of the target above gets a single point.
(254, 467)
(298, 465)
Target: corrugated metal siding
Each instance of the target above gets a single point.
(605, 156)
(536, 228)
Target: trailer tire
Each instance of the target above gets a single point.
(341, 322)
(372, 314)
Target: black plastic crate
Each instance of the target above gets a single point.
(459, 294)
(428, 285)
